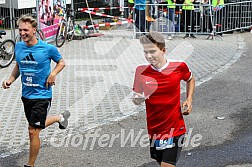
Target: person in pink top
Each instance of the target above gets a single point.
(158, 85)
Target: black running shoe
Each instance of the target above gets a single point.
(26, 166)
(192, 36)
(187, 36)
(154, 16)
(64, 124)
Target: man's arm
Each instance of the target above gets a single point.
(14, 75)
(190, 86)
(52, 77)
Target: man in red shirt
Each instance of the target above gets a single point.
(158, 85)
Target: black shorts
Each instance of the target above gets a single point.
(36, 111)
(168, 155)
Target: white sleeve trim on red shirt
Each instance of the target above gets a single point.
(173, 60)
(190, 76)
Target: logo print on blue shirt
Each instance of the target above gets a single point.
(29, 62)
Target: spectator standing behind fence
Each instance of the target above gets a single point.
(140, 22)
(205, 15)
(130, 6)
(188, 17)
(171, 16)
(158, 85)
(152, 9)
(217, 12)
(130, 10)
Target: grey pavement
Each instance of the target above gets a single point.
(96, 86)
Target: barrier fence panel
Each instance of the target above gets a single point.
(237, 16)
(193, 19)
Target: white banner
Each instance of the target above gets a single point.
(2, 1)
(24, 4)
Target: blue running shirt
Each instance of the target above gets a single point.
(35, 66)
(140, 4)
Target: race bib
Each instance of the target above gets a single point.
(163, 144)
(30, 79)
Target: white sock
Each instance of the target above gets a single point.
(61, 118)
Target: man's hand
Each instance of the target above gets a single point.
(14, 75)
(50, 80)
(6, 84)
(186, 107)
(52, 77)
(138, 98)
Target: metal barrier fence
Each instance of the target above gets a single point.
(203, 19)
(197, 19)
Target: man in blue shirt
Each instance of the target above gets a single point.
(140, 21)
(33, 60)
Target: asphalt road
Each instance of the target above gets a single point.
(228, 95)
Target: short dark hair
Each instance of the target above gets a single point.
(153, 37)
(28, 18)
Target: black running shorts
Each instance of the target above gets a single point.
(36, 111)
(168, 155)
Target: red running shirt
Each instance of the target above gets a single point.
(162, 87)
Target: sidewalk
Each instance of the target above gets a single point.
(95, 87)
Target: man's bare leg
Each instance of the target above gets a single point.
(35, 140)
(163, 164)
(34, 145)
(51, 119)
